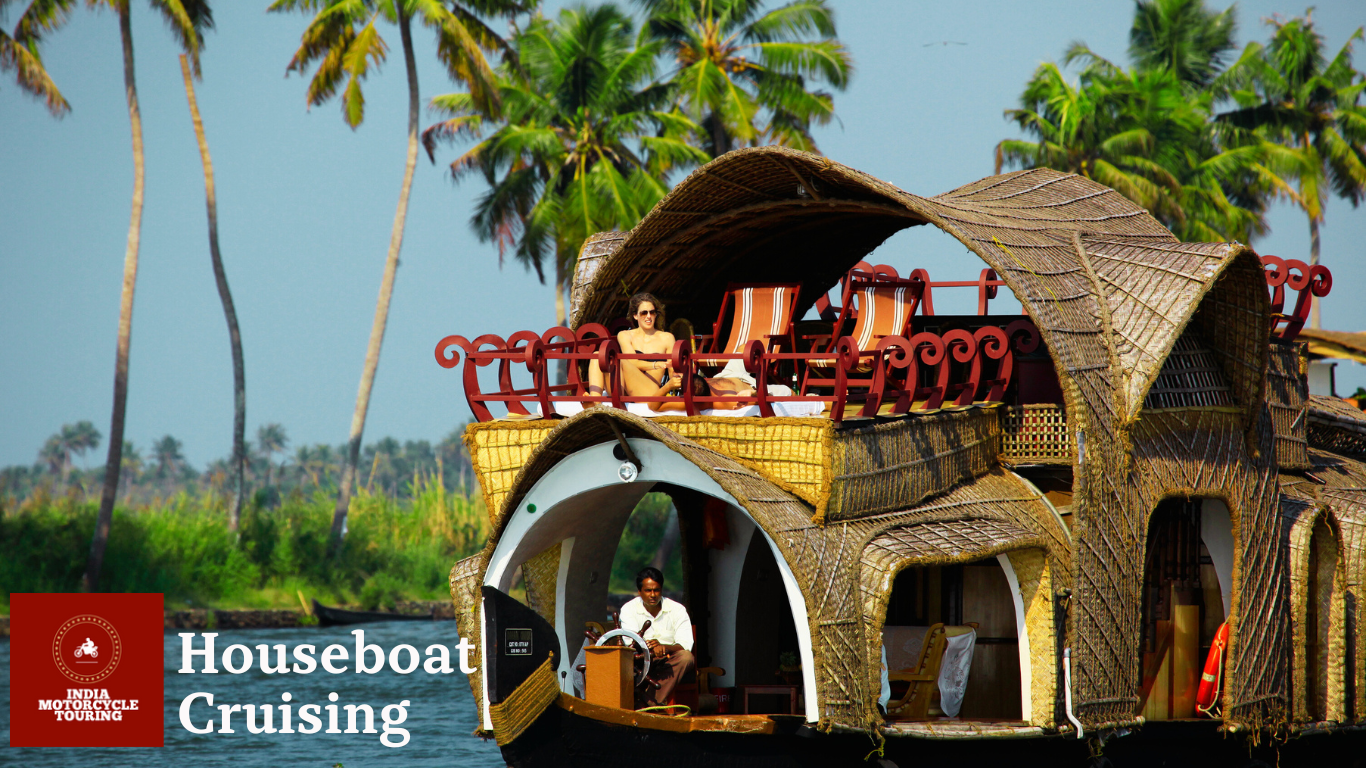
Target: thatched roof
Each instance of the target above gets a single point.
(1109, 287)
(1336, 425)
(1344, 345)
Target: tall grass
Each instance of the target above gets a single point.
(394, 550)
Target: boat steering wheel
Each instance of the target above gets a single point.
(642, 653)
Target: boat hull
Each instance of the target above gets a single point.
(564, 739)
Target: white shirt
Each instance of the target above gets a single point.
(671, 627)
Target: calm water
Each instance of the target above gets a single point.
(441, 714)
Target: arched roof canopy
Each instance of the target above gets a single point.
(1108, 286)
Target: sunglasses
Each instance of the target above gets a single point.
(644, 312)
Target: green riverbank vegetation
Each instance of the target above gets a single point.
(397, 548)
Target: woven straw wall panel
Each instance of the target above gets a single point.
(498, 451)
(467, 577)
(1036, 592)
(899, 464)
(542, 574)
(794, 453)
(1287, 397)
(1203, 453)
(1036, 434)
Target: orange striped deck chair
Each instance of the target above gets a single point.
(755, 311)
(879, 308)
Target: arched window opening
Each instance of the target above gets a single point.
(974, 596)
(1183, 602)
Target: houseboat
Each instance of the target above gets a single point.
(1116, 521)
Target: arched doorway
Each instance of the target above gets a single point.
(573, 516)
(1187, 588)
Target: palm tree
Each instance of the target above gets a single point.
(270, 440)
(583, 141)
(1290, 94)
(169, 460)
(344, 41)
(1147, 135)
(1184, 37)
(81, 437)
(54, 455)
(239, 377)
(188, 19)
(743, 74)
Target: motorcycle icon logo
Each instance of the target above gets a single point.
(87, 648)
(92, 661)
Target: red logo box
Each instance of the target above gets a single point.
(86, 670)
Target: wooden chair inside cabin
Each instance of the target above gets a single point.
(920, 698)
(753, 311)
(873, 310)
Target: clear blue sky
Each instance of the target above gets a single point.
(306, 206)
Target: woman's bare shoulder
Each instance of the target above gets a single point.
(624, 339)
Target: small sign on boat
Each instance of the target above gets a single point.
(518, 642)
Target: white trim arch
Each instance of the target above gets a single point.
(584, 487)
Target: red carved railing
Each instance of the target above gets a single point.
(925, 371)
(1308, 281)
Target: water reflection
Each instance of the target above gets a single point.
(441, 714)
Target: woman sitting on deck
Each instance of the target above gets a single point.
(651, 378)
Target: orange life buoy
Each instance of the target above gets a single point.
(1214, 669)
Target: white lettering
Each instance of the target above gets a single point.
(187, 652)
(362, 649)
(281, 667)
(311, 718)
(390, 722)
(246, 659)
(439, 664)
(185, 713)
(334, 653)
(412, 654)
(306, 658)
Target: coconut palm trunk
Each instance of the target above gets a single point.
(386, 290)
(239, 377)
(130, 276)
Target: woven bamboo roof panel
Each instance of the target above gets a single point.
(1345, 345)
(1336, 425)
(1152, 289)
(952, 541)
